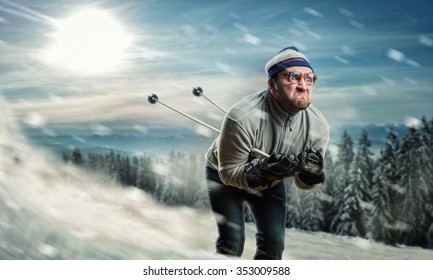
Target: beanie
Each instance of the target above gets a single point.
(287, 57)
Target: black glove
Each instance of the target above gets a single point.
(311, 164)
(281, 165)
(311, 161)
(276, 167)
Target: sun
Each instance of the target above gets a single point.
(89, 42)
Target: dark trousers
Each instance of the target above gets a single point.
(269, 213)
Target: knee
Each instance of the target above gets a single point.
(270, 247)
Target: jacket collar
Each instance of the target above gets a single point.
(277, 112)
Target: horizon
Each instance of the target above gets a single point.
(159, 142)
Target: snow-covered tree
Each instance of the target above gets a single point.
(145, 175)
(357, 195)
(350, 222)
(181, 181)
(310, 210)
(429, 237)
(326, 191)
(313, 207)
(411, 218)
(77, 157)
(113, 166)
(344, 159)
(133, 171)
(381, 226)
(425, 151)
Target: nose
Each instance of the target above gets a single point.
(302, 84)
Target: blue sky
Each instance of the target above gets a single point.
(374, 60)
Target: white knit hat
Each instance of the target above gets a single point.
(287, 57)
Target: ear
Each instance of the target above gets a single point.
(271, 84)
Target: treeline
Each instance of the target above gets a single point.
(387, 197)
(174, 181)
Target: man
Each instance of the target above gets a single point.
(279, 121)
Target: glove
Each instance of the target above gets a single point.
(276, 167)
(281, 165)
(311, 161)
(311, 165)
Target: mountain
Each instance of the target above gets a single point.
(154, 144)
(159, 142)
(377, 134)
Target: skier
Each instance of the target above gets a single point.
(282, 122)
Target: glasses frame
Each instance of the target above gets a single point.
(289, 74)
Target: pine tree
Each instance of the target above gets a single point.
(66, 157)
(145, 175)
(385, 178)
(411, 217)
(350, 218)
(425, 134)
(91, 162)
(125, 171)
(344, 159)
(112, 166)
(313, 207)
(326, 192)
(197, 190)
(429, 205)
(310, 211)
(77, 157)
(134, 171)
(357, 195)
(426, 155)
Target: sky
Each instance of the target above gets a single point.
(80, 65)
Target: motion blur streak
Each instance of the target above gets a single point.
(49, 210)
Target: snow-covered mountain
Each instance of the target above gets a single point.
(50, 210)
(158, 143)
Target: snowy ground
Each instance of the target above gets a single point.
(49, 210)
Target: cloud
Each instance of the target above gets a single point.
(379, 102)
(410, 121)
(313, 12)
(368, 73)
(251, 39)
(130, 104)
(423, 39)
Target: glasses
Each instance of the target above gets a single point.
(294, 77)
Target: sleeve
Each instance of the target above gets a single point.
(318, 131)
(322, 142)
(233, 153)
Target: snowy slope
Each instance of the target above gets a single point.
(49, 210)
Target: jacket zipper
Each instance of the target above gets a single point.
(287, 121)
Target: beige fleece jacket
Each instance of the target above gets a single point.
(259, 121)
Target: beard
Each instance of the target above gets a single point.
(302, 103)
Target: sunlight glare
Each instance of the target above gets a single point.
(89, 42)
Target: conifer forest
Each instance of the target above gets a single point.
(387, 197)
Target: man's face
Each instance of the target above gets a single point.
(295, 95)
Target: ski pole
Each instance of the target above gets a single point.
(198, 91)
(153, 99)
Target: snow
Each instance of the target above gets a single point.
(51, 210)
